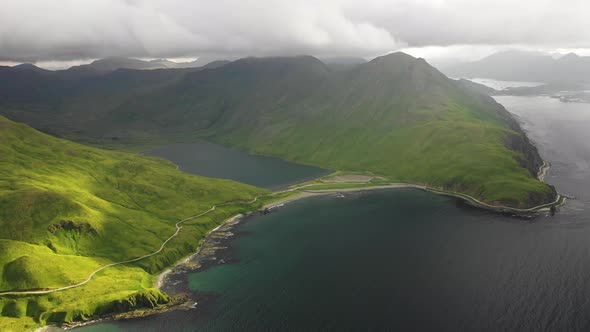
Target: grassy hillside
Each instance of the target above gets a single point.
(65, 102)
(67, 209)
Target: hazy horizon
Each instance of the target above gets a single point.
(418, 53)
(441, 31)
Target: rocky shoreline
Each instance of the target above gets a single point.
(174, 281)
(213, 251)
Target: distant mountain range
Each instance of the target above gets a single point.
(527, 66)
(113, 63)
(396, 116)
(110, 64)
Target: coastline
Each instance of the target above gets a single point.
(543, 170)
(187, 265)
(232, 221)
(301, 194)
(161, 277)
(296, 193)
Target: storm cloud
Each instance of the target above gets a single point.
(49, 30)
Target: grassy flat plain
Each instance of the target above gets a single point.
(67, 209)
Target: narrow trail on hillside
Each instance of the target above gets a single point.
(178, 225)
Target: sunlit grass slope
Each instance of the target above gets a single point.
(67, 209)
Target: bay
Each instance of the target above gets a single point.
(408, 260)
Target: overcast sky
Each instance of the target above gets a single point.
(74, 30)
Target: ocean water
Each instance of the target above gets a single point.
(407, 260)
(502, 85)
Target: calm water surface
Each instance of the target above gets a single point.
(217, 161)
(410, 261)
(501, 85)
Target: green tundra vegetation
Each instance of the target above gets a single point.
(395, 116)
(67, 209)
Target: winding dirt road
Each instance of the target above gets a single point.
(178, 226)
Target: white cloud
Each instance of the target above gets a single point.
(83, 29)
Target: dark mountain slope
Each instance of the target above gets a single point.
(242, 89)
(66, 102)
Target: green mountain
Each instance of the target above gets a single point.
(67, 209)
(395, 116)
